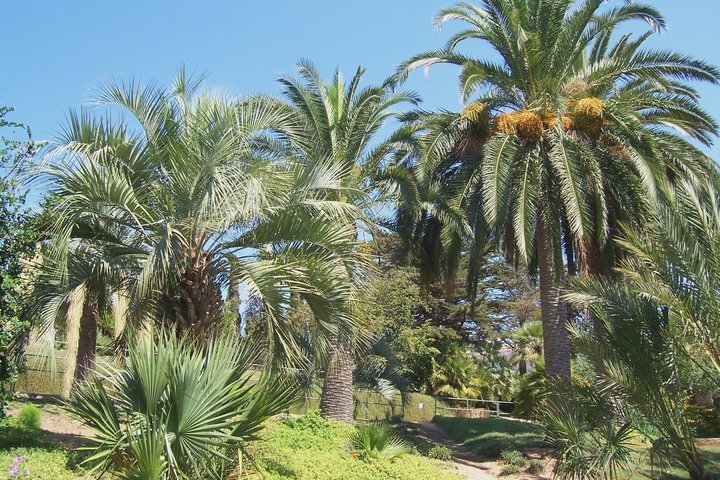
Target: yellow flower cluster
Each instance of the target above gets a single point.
(588, 115)
(523, 123)
(477, 115)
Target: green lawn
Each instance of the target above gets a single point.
(490, 436)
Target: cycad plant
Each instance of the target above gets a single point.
(568, 129)
(180, 408)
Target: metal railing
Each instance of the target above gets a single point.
(473, 407)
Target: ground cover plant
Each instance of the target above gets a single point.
(312, 448)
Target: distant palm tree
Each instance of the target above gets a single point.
(188, 194)
(527, 345)
(336, 128)
(458, 376)
(570, 129)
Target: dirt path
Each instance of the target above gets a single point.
(55, 422)
(466, 462)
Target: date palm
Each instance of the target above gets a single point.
(566, 119)
(335, 127)
(189, 192)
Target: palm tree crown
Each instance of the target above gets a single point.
(568, 125)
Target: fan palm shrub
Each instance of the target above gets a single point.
(564, 133)
(527, 345)
(376, 441)
(589, 443)
(180, 408)
(459, 375)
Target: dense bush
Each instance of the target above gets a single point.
(29, 417)
(439, 452)
(704, 421)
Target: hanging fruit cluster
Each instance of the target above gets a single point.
(585, 115)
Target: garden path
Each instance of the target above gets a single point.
(466, 462)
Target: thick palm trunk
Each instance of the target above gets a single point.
(336, 402)
(195, 304)
(86, 352)
(552, 306)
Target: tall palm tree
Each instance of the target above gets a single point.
(336, 127)
(190, 194)
(563, 111)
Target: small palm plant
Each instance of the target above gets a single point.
(375, 441)
(178, 409)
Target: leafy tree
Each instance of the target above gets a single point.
(570, 129)
(17, 244)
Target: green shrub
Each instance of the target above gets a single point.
(705, 421)
(375, 440)
(439, 452)
(316, 449)
(29, 417)
(177, 407)
(37, 464)
(514, 457)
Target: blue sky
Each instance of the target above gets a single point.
(55, 52)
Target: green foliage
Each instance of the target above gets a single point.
(491, 436)
(316, 449)
(587, 442)
(13, 435)
(375, 440)
(17, 242)
(704, 421)
(510, 469)
(180, 407)
(29, 417)
(438, 452)
(460, 376)
(39, 464)
(513, 457)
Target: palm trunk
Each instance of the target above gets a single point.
(195, 305)
(86, 352)
(336, 400)
(552, 306)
